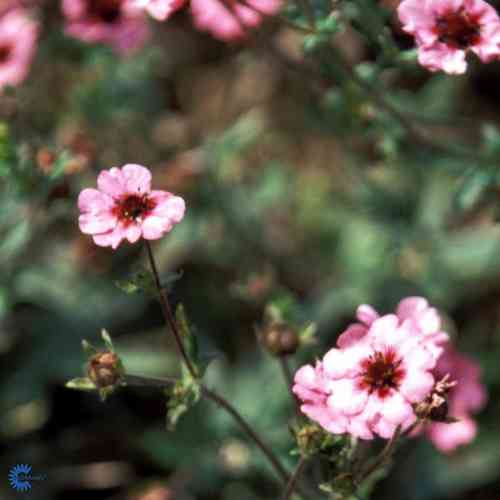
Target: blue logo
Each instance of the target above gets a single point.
(20, 477)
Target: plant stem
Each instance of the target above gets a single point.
(223, 403)
(285, 368)
(293, 479)
(141, 381)
(167, 312)
(384, 456)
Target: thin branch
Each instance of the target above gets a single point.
(167, 312)
(293, 479)
(384, 456)
(287, 374)
(266, 450)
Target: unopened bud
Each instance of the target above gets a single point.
(280, 339)
(105, 369)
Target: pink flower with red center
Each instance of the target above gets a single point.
(445, 30)
(118, 23)
(228, 20)
(466, 398)
(381, 367)
(18, 37)
(125, 207)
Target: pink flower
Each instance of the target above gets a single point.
(445, 30)
(118, 23)
(467, 397)
(380, 368)
(228, 20)
(125, 207)
(231, 19)
(18, 36)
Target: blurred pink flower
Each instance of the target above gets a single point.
(118, 23)
(125, 207)
(227, 20)
(381, 367)
(230, 20)
(18, 37)
(467, 397)
(445, 30)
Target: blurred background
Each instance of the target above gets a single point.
(300, 189)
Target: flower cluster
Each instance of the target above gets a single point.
(18, 37)
(380, 371)
(125, 207)
(381, 367)
(445, 30)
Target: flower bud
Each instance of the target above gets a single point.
(280, 339)
(105, 369)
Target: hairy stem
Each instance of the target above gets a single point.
(384, 456)
(287, 374)
(167, 312)
(293, 479)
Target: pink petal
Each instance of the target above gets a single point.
(96, 223)
(448, 437)
(366, 314)
(168, 206)
(110, 239)
(396, 409)
(133, 233)
(154, 227)
(111, 182)
(346, 397)
(439, 56)
(351, 336)
(416, 386)
(137, 178)
(93, 201)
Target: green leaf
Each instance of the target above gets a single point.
(181, 397)
(88, 348)
(81, 384)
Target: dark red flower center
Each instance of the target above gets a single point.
(133, 207)
(107, 11)
(382, 372)
(5, 51)
(458, 30)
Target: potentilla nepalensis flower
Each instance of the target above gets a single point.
(18, 37)
(228, 20)
(380, 369)
(445, 30)
(468, 396)
(125, 207)
(118, 23)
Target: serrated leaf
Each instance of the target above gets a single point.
(188, 338)
(81, 384)
(181, 397)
